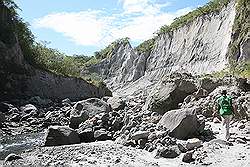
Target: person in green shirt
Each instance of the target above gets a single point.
(226, 110)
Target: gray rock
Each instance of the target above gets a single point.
(140, 135)
(61, 135)
(181, 123)
(152, 136)
(28, 108)
(122, 139)
(241, 126)
(193, 143)
(201, 93)
(76, 119)
(182, 147)
(188, 157)
(188, 99)
(15, 117)
(66, 101)
(239, 140)
(82, 110)
(101, 135)
(168, 94)
(86, 135)
(2, 118)
(87, 124)
(168, 152)
(12, 157)
(142, 143)
(14, 110)
(116, 103)
(25, 117)
(219, 141)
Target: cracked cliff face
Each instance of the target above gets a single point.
(200, 47)
(21, 80)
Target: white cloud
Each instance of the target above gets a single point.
(85, 28)
(147, 7)
(138, 21)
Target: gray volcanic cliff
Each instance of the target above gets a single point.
(19, 79)
(200, 47)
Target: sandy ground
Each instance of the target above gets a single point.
(107, 153)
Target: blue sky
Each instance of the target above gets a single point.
(86, 26)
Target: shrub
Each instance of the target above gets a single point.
(212, 6)
(110, 49)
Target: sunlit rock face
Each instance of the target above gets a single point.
(200, 47)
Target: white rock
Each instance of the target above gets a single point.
(193, 143)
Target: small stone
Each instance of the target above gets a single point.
(239, 140)
(241, 126)
(188, 157)
(12, 157)
(142, 142)
(168, 152)
(182, 148)
(118, 160)
(193, 143)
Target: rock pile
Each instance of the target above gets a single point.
(135, 120)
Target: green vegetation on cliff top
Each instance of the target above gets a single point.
(111, 48)
(38, 54)
(212, 6)
(241, 30)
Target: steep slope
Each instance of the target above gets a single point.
(21, 80)
(199, 47)
(116, 68)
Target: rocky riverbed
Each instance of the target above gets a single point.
(172, 125)
(108, 153)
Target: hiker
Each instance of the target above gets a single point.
(226, 110)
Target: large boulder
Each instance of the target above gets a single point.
(181, 123)
(61, 135)
(86, 135)
(85, 109)
(168, 94)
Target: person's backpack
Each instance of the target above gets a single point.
(225, 103)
